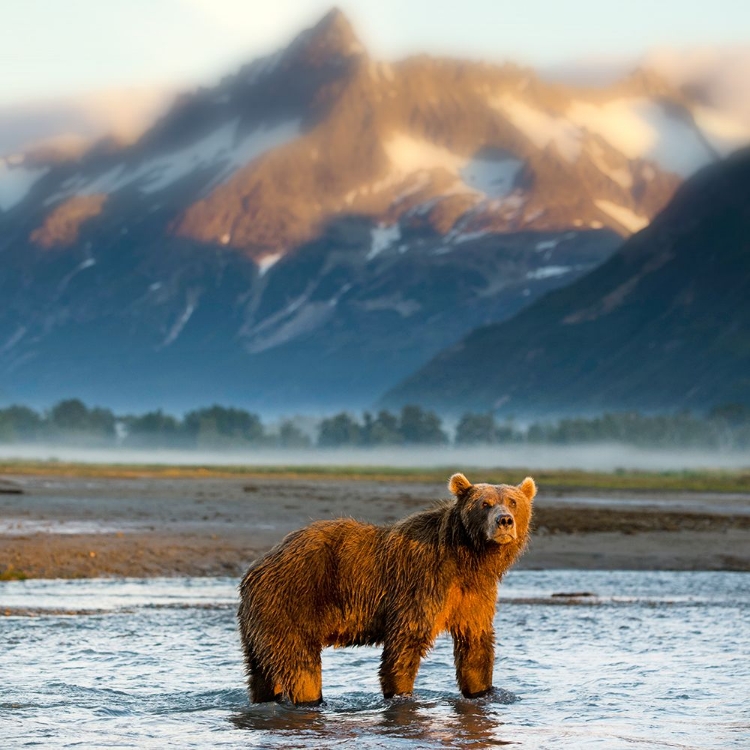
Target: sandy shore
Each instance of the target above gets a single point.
(52, 527)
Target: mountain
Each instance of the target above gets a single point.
(663, 324)
(319, 224)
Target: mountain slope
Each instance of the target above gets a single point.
(664, 324)
(319, 224)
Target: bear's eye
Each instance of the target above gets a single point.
(512, 503)
(485, 504)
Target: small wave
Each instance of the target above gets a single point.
(164, 667)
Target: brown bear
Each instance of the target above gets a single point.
(345, 583)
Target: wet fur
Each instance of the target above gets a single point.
(345, 583)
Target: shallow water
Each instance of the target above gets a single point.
(656, 660)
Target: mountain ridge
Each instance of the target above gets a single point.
(319, 224)
(663, 324)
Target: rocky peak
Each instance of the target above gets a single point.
(644, 82)
(332, 38)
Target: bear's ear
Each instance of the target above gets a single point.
(528, 487)
(459, 484)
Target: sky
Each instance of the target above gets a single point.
(52, 49)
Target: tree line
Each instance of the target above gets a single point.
(72, 420)
(726, 426)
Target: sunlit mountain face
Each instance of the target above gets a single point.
(317, 226)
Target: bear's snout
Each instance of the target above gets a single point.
(503, 526)
(504, 520)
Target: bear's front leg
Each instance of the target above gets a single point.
(474, 656)
(399, 664)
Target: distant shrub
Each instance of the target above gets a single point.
(414, 426)
(290, 436)
(384, 429)
(19, 423)
(220, 424)
(73, 416)
(341, 429)
(420, 427)
(153, 428)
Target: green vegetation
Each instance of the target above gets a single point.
(483, 429)
(550, 481)
(75, 423)
(414, 426)
(215, 426)
(726, 427)
(12, 574)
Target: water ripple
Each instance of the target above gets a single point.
(652, 660)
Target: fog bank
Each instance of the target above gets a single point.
(603, 457)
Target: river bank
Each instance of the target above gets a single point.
(56, 526)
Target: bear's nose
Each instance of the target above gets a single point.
(504, 520)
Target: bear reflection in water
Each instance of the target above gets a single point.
(444, 721)
(345, 583)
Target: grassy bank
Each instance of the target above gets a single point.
(551, 480)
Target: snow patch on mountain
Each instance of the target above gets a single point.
(180, 323)
(15, 182)
(548, 244)
(460, 238)
(541, 128)
(408, 154)
(301, 320)
(14, 339)
(414, 158)
(644, 129)
(639, 128)
(548, 272)
(268, 261)
(225, 149)
(493, 177)
(382, 238)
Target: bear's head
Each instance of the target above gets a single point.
(494, 513)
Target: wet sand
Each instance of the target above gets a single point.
(61, 527)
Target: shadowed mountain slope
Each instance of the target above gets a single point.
(664, 324)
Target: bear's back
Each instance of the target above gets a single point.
(326, 570)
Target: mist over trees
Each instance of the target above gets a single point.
(725, 427)
(413, 426)
(67, 419)
(215, 426)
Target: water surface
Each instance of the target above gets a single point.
(652, 660)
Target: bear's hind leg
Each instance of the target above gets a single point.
(262, 687)
(400, 663)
